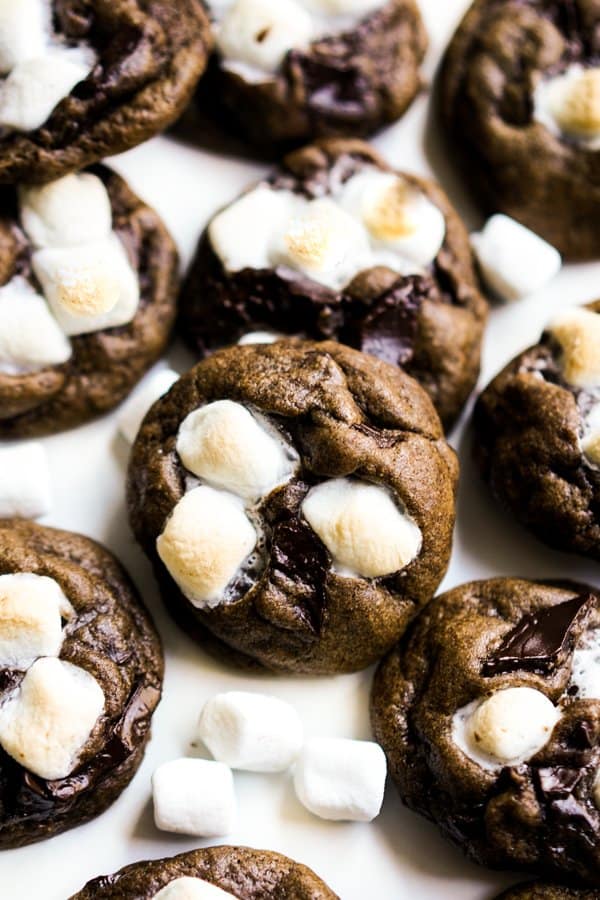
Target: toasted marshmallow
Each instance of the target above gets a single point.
(261, 32)
(590, 443)
(195, 797)
(361, 526)
(132, 413)
(46, 722)
(254, 732)
(31, 611)
(577, 331)
(204, 544)
(260, 337)
(30, 338)
(507, 728)
(69, 211)
(585, 667)
(224, 444)
(24, 481)
(24, 25)
(569, 104)
(89, 288)
(187, 888)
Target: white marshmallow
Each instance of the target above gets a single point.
(254, 732)
(36, 86)
(260, 337)
(30, 338)
(133, 411)
(340, 779)
(70, 211)
(344, 7)
(585, 667)
(187, 888)
(46, 722)
(226, 445)
(569, 105)
(89, 288)
(204, 544)
(195, 797)
(507, 728)
(23, 29)
(513, 260)
(361, 526)
(261, 32)
(577, 330)
(24, 481)
(31, 611)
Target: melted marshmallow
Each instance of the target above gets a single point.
(577, 331)
(569, 105)
(585, 667)
(187, 888)
(30, 337)
(32, 608)
(590, 442)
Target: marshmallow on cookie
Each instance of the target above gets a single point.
(32, 609)
(577, 331)
(569, 105)
(189, 888)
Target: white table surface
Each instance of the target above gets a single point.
(399, 855)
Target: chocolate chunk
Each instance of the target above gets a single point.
(298, 556)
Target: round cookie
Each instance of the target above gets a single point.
(539, 891)
(80, 676)
(297, 501)
(489, 714)
(336, 245)
(83, 80)
(537, 433)
(238, 872)
(287, 71)
(89, 277)
(520, 96)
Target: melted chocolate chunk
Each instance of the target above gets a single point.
(298, 556)
(335, 88)
(9, 679)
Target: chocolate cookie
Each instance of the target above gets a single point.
(297, 501)
(85, 79)
(80, 676)
(537, 433)
(336, 245)
(489, 713)
(287, 71)
(88, 277)
(236, 872)
(539, 891)
(520, 96)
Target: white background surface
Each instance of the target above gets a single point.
(399, 855)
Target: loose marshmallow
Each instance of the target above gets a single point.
(134, 410)
(30, 338)
(577, 331)
(585, 667)
(31, 611)
(513, 260)
(46, 722)
(69, 211)
(340, 779)
(361, 526)
(507, 728)
(224, 444)
(23, 28)
(569, 105)
(204, 544)
(187, 888)
(253, 732)
(24, 481)
(89, 288)
(194, 797)
(261, 32)
(260, 337)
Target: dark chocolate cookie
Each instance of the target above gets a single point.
(537, 433)
(239, 872)
(297, 501)
(85, 79)
(80, 676)
(489, 713)
(520, 95)
(543, 891)
(88, 277)
(336, 245)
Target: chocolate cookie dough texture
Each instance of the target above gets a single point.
(520, 95)
(83, 80)
(88, 277)
(537, 433)
(287, 71)
(80, 676)
(216, 873)
(297, 501)
(544, 891)
(337, 245)
(489, 713)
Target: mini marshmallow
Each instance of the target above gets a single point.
(344, 7)
(24, 481)
(46, 722)
(361, 526)
(194, 797)
(261, 32)
(513, 260)
(23, 31)
(30, 338)
(260, 337)
(254, 732)
(89, 288)
(590, 442)
(569, 104)
(134, 410)
(69, 211)
(577, 331)
(188, 888)
(31, 611)
(224, 444)
(340, 779)
(205, 542)
(585, 667)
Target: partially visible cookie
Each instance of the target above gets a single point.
(543, 891)
(80, 676)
